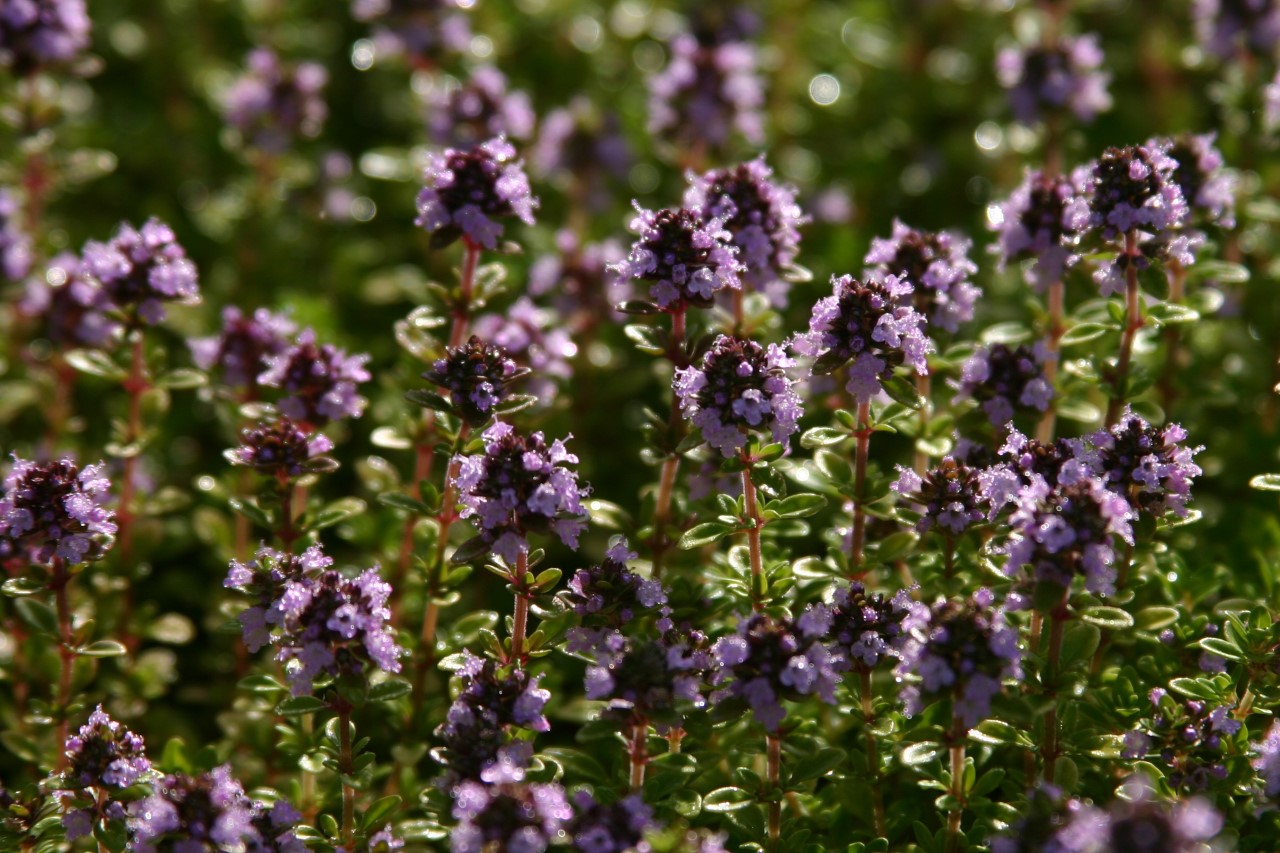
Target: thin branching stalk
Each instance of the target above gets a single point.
(519, 622)
(346, 767)
(638, 752)
(1057, 626)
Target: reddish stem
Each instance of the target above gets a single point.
(1132, 323)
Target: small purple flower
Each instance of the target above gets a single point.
(585, 144)
(281, 449)
(491, 700)
(1136, 188)
(15, 246)
(611, 594)
(520, 818)
(936, 265)
(193, 813)
(276, 827)
(649, 680)
(1224, 26)
(950, 495)
(1208, 188)
(761, 215)
(1006, 381)
(468, 192)
(576, 276)
(460, 115)
(518, 486)
(1042, 221)
(476, 375)
(39, 33)
(1148, 466)
(141, 270)
(69, 306)
(959, 649)
(1136, 823)
(1187, 735)
(741, 386)
(769, 659)
(615, 828)
(421, 30)
(707, 92)
(865, 627)
(1045, 80)
(384, 841)
(264, 579)
(55, 511)
(319, 381)
(687, 256)
(273, 103)
(243, 346)
(104, 754)
(1268, 761)
(537, 340)
(870, 326)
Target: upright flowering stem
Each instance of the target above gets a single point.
(135, 385)
(1053, 341)
(873, 750)
(1132, 323)
(346, 768)
(667, 480)
(66, 654)
(519, 622)
(773, 769)
(924, 387)
(638, 752)
(462, 310)
(859, 483)
(959, 732)
(1057, 625)
(753, 534)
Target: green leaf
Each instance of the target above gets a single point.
(798, 506)
(1196, 688)
(1112, 618)
(920, 753)
(1079, 643)
(1168, 313)
(647, 339)
(15, 587)
(296, 706)
(727, 800)
(704, 534)
(472, 549)
(1220, 647)
(38, 615)
(1084, 332)
(515, 403)
(182, 378)
(1009, 333)
(819, 764)
(251, 511)
(103, 649)
(377, 814)
(336, 512)
(95, 363)
(1266, 483)
(392, 688)
(547, 579)
(428, 400)
(400, 500)
(903, 391)
(638, 307)
(260, 684)
(1223, 272)
(1155, 618)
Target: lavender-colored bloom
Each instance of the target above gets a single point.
(1188, 736)
(1042, 221)
(769, 659)
(950, 496)
(39, 33)
(55, 511)
(319, 381)
(611, 594)
(141, 270)
(519, 818)
(649, 680)
(1149, 466)
(460, 115)
(1136, 188)
(537, 341)
(870, 326)
(1006, 381)
(264, 579)
(467, 192)
(741, 386)
(1068, 530)
(240, 351)
(707, 92)
(69, 306)
(422, 30)
(761, 215)
(476, 376)
(1137, 823)
(577, 278)
(959, 649)
(1224, 26)
(518, 486)
(865, 627)
(475, 743)
(1268, 761)
(281, 449)
(276, 827)
(1044, 80)
(936, 265)
(1208, 188)
(15, 246)
(193, 814)
(273, 103)
(582, 142)
(384, 841)
(104, 754)
(686, 255)
(615, 828)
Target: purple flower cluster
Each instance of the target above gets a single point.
(582, 141)
(937, 266)
(644, 680)
(618, 827)
(1187, 735)
(468, 191)
(242, 349)
(609, 593)
(866, 627)
(577, 277)
(950, 495)
(510, 816)
(475, 744)
(1136, 188)
(1208, 188)
(1149, 466)
(319, 381)
(518, 486)
(536, 338)
(761, 215)
(460, 115)
(418, 29)
(1224, 26)
(1045, 80)
(69, 306)
(272, 103)
(1042, 221)
(770, 659)
(1006, 381)
(282, 450)
(15, 246)
(1136, 823)
(707, 92)
(264, 579)
(102, 757)
(55, 511)
(476, 375)
(141, 270)
(35, 34)
(1267, 762)
(741, 386)
(1036, 828)
(686, 255)
(868, 325)
(959, 649)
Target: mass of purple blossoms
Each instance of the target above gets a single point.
(55, 511)
(476, 375)
(1150, 467)
(274, 103)
(950, 495)
(468, 192)
(475, 741)
(36, 34)
(686, 256)
(240, 352)
(141, 270)
(1136, 822)
(1135, 187)
(936, 265)
(614, 828)
(103, 758)
(1006, 381)
(1047, 80)
(15, 246)
(460, 115)
(1224, 27)
(1188, 736)
(513, 816)
(280, 449)
(420, 30)
(537, 340)
(609, 593)
(318, 380)
(708, 92)
(1042, 221)
(644, 680)
(68, 306)
(866, 627)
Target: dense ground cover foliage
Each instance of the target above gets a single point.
(505, 426)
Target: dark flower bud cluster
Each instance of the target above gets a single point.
(614, 828)
(418, 29)
(467, 193)
(15, 246)
(242, 349)
(464, 114)
(1136, 823)
(474, 736)
(1188, 736)
(937, 266)
(319, 381)
(1225, 26)
(1021, 460)
(510, 816)
(687, 256)
(646, 679)
(1006, 380)
(866, 627)
(1048, 80)
(770, 659)
(761, 215)
(581, 141)
(518, 486)
(963, 650)
(708, 91)
(609, 593)
(1042, 221)
(273, 103)
(275, 827)
(1148, 466)
(55, 511)
(36, 34)
(1208, 188)
(476, 375)
(102, 758)
(68, 305)
(1135, 188)
(871, 325)
(537, 340)
(141, 270)
(950, 495)
(740, 386)
(281, 449)
(264, 580)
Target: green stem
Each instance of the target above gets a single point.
(859, 485)
(959, 733)
(1057, 626)
(1053, 345)
(638, 752)
(1132, 323)
(873, 751)
(66, 655)
(773, 765)
(753, 535)
(346, 767)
